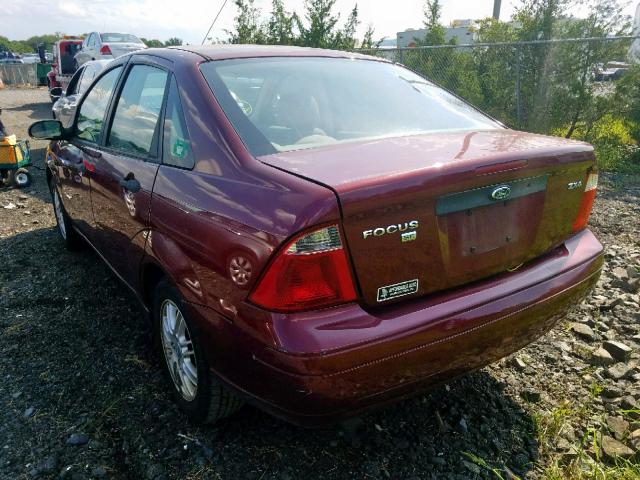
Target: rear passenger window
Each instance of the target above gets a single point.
(138, 110)
(176, 147)
(92, 110)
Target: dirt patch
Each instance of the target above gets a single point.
(82, 396)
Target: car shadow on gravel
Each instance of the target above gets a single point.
(38, 110)
(82, 394)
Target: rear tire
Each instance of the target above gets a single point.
(197, 391)
(70, 238)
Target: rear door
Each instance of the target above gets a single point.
(123, 176)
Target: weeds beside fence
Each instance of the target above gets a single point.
(557, 87)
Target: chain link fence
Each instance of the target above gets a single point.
(537, 86)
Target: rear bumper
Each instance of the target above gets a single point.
(331, 364)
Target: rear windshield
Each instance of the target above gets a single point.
(119, 38)
(280, 104)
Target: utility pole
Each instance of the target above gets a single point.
(496, 9)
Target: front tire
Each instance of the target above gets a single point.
(70, 238)
(198, 392)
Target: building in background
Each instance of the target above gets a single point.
(460, 31)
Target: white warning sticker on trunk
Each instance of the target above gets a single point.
(397, 290)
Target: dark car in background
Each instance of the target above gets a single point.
(317, 232)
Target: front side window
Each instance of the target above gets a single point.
(176, 147)
(92, 110)
(282, 104)
(138, 110)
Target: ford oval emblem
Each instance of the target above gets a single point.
(501, 193)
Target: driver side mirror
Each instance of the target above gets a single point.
(46, 130)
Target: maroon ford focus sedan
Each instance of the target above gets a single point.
(318, 232)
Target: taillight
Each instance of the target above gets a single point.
(586, 204)
(105, 50)
(312, 271)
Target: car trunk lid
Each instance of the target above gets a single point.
(120, 48)
(430, 212)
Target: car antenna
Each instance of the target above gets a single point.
(214, 21)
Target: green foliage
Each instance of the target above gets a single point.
(367, 41)
(627, 99)
(435, 30)
(30, 45)
(280, 27)
(152, 42)
(545, 87)
(173, 42)
(319, 27)
(247, 24)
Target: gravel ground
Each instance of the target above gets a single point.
(81, 395)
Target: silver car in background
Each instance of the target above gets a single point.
(64, 108)
(107, 46)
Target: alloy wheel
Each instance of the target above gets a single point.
(178, 350)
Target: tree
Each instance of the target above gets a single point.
(368, 42)
(152, 42)
(173, 42)
(280, 27)
(321, 28)
(539, 18)
(247, 28)
(435, 30)
(321, 24)
(345, 39)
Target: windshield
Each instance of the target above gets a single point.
(280, 104)
(119, 38)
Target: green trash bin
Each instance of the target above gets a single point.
(41, 72)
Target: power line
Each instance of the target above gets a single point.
(214, 21)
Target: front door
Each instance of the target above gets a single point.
(74, 159)
(122, 178)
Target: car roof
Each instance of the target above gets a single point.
(102, 62)
(229, 51)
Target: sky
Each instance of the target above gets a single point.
(190, 19)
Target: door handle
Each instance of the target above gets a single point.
(91, 152)
(130, 184)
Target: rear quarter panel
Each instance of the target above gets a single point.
(224, 207)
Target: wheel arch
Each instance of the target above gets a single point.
(150, 275)
(165, 258)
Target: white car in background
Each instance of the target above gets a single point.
(30, 58)
(107, 46)
(64, 108)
